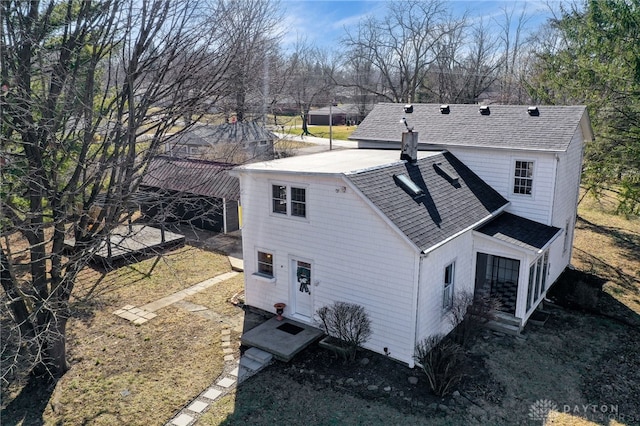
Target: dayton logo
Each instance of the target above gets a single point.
(540, 409)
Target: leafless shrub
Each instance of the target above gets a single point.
(440, 359)
(468, 313)
(347, 322)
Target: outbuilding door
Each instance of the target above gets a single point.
(301, 290)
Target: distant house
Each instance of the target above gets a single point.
(342, 114)
(235, 142)
(198, 192)
(488, 206)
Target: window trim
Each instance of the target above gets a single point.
(273, 200)
(514, 177)
(538, 275)
(262, 276)
(289, 202)
(448, 288)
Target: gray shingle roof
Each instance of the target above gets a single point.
(519, 231)
(446, 208)
(241, 132)
(507, 126)
(198, 177)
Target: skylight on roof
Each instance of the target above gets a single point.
(448, 172)
(408, 185)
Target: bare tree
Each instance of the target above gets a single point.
(86, 79)
(467, 65)
(250, 24)
(312, 81)
(514, 47)
(400, 47)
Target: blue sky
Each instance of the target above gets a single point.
(321, 21)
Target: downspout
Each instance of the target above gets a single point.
(416, 298)
(224, 215)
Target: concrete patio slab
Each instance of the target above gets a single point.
(283, 344)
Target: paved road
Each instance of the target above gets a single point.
(322, 143)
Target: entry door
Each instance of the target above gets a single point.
(301, 288)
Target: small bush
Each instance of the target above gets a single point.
(441, 361)
(469, 313)
(347, 322)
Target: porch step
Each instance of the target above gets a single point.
(252, 361)
(510, 329)
(507, 319)
(258, 355)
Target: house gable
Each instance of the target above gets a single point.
(452, 199)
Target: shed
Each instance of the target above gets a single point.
(198, 192)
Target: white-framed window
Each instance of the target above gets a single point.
(523, 177)
(447, 294)
(289, 200)
(265, 264)
(538, 272)
(279, 199)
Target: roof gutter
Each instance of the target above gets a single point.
(467, 229)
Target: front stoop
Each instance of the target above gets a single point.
(505, 323)
(252, 361)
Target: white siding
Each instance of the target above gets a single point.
(432, 319)
(496, 167)
(356, 256)
(565, 203)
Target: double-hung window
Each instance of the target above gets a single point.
(447, 295)
(289, 200)
(279, 197)
(265, 264)
(523, 177)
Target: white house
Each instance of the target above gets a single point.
(488, 205)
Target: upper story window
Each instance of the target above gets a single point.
(447, 295)
(289, 200)
(523, 177)
(279, 196)
(298, 202)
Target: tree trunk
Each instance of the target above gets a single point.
(305, 128)
(54, 347)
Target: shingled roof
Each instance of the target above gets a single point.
(506, 126)
(198, 177)
(240, 132)
(453, 197)
(519, 231)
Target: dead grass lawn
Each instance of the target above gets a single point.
(123, 374)
(608, 246)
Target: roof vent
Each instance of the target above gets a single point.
(444, 109)
(533, 111)
(448, 172)
(484, 110)
(408, 185)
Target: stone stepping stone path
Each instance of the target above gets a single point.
(144, 313)
(235, 371)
